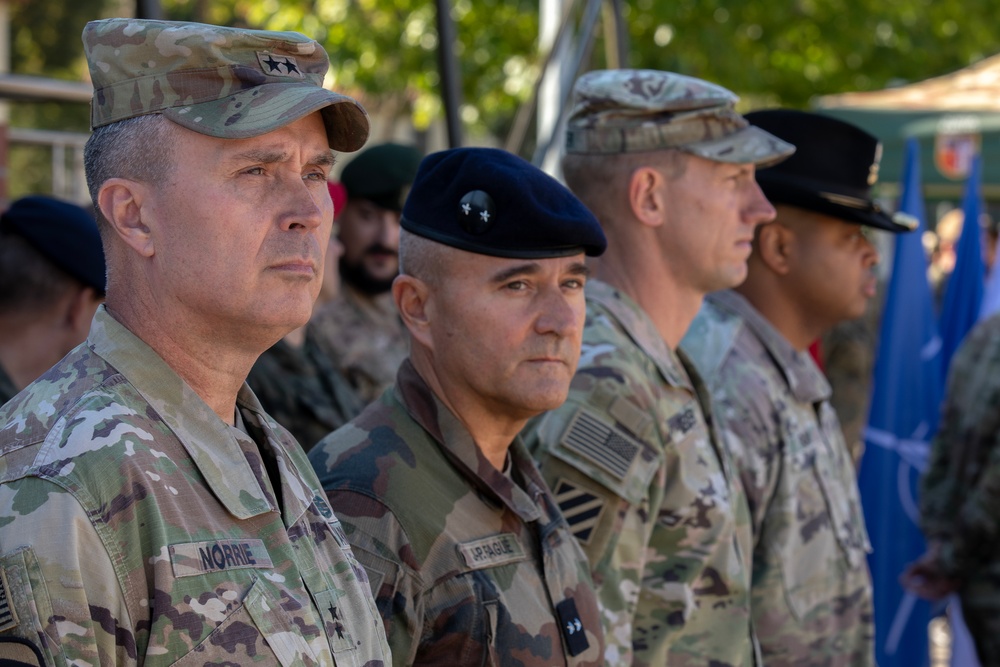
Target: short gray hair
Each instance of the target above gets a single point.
(137, 148)
(420, 257)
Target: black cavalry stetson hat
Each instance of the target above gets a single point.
(832, 171)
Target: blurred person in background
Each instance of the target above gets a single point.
(52, 280)
(360, 330)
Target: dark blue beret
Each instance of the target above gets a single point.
(63, 233)
(491, 202)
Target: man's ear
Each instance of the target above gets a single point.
(645, 196)
(412, 297)
(121, 202)
(775, 245)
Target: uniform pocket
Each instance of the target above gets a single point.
(353, 624)
(256, 630)
(819, 533)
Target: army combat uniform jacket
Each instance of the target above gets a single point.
(469, 566)
(812, 592)
(364, 338)
(648, 492)
(961, 488)
(139, 528)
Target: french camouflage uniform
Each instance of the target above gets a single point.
(7, 388)
(302, 391)
(469, 566)
(364, 337)
(636, 468)
(812, 592)
(166, 542)
(961, 489)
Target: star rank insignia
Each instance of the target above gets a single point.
(476, 212)
(275, 65)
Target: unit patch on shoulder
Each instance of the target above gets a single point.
(581, 507)
(610, 448)
(8, 616)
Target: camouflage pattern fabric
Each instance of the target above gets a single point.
(961, 488)
(138, 528)
(365, 339)
(647, 490)
(630, 110)
(223, 82)
(812, 593)
(848, 352)
(7, 388)
(302, 391)
(469, 566)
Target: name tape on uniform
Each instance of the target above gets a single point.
(492, 551)
(194, 558)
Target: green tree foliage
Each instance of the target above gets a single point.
(385, 51)
(786, 52)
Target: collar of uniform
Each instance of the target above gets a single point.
(805, 380)
(640, 328)
(206, 438)
(457, 444)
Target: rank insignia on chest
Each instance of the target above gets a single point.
(683, 421)
(573, 632)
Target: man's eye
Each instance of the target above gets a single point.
(254, 171)
(517, 285)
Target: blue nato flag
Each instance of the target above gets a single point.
(964, 294)
(903, 419)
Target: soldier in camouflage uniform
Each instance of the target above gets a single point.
(152, 512)
(469, 558)
(360, 330)
(960, 493)
(812, 267)
(667, 166)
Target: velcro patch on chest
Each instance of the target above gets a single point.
(610, 448)
(491, 551)
(8, 616)
(581, 507)
(195, 558)
(682, 422)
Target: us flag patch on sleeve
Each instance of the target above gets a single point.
(608, 447)
(581, 508)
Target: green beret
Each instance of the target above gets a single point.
(382, 174)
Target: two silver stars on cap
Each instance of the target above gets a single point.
(485, 215)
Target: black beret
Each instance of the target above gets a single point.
(491, 202)
(832, 171)
(382, 174)
(63, 233)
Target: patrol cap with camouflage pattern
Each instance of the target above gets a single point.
(633, 110)
(229, 83)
